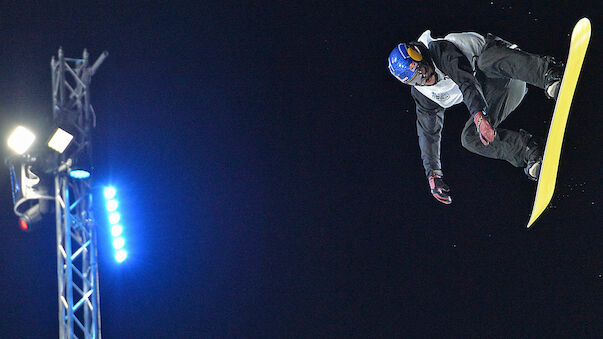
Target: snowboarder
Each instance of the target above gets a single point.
(489, 75)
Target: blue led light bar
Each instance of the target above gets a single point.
(116, 229)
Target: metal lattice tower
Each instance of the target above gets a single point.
(77, 264)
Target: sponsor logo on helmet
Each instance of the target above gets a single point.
(413, 66)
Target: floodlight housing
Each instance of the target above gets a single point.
(30, 196)
(21, 139)
(33, 215)
(60, 140)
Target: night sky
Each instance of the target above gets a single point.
(270, 177)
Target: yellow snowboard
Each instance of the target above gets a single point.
(550, 163)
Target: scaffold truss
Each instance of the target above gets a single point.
(77, 264)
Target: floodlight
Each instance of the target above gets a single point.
(116, 230)
(30, 196)
(112, 205)
(21, 139)
(33, 214)
(109, 193)
(60, 140)
(114, 218)
(121, 255)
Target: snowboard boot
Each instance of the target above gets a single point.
(534, 153)
(552, 78)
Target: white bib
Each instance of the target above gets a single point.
(446, 92)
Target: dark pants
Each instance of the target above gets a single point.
(503, 73)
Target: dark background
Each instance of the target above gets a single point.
(271, 184)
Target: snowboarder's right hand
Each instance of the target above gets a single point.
(439, 189)
(484, 129)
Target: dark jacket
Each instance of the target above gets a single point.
(430, 116)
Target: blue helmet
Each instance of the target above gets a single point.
(404, 62)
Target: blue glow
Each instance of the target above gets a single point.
(112, 205)
(116, 230)
(114, 218)
(109, 193)
(118, 243)
(79, 174)
(121, 255)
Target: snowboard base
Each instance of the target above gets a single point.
(552, 151)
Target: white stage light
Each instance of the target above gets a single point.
(121, 255)
(109, 193)
(118, 243)
(116, 230)
(60, 140)
(112, 205)
(114, 218)
(21, 139)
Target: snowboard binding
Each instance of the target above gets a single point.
(552, 78)
(534, 153)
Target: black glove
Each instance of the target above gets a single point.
(439, 189)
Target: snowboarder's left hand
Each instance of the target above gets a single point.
(439, 189)
(484, 129)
